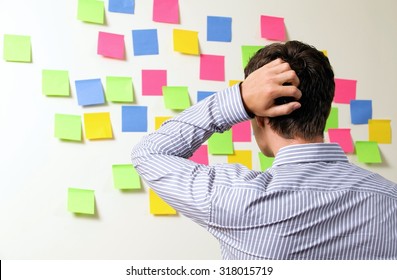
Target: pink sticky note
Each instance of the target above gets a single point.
(166, 11)
(153, 82)
(111, 45)
(212, 67)
(345, 90)
(200, 155)
(241, 132)
(343, 137)
(273, 28)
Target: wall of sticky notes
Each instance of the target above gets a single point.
(82, 81)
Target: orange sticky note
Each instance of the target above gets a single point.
(158, 206)
(186, 41)
(158, 121)
(98, 126)
(379, 131)
(243, 157)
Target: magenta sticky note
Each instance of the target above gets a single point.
(166, 11)
(345, 91)
(343, 137)
(200, 155)
(111, 45)
(212, 67)
(241, 132)
(153, 82)
(273, 28)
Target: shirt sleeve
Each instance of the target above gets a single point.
(161, 158)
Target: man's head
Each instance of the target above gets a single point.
(316, 84)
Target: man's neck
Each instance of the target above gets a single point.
(282, 142)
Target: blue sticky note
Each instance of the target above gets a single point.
(203, 94)
(145, 42)
(219, 29)
(134, 118)
(89, 92)
(122, 6)
(360, 111)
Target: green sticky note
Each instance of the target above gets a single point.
(368, 152)
(55, 83)
(81, 201)
(125, 177)
(68, 127)
(221, 143)
(333, 119)
(265, 161)
(176, 98)
(248, 52)
(119, 89)
(17, 48)
(91, 11)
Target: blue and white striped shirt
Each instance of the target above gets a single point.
(311, 204)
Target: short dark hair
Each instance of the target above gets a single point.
(316, 84)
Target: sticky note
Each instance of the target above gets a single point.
(145, 42)
(200, 156)
(68, 127)
(360, 111)
(345, 91)
(212, 67)
(343, 137)
(89, 92)
(234, 82)
(325, 52)
(368, 152)
(98, 126)
(333, 119)
(17, 48)
(81, 201)
(243, 157)
(158, 206)
(158, 121)
(111, 45)
(134, 118)
(119, 89)
(176, 97)
(153, 82)
(265, 162)
(186, 41)
(166, 11)
(379, 131)
(91, 11)
(221, 143)
(248, 52)
(272, 28)
(125, 177)
(219, 29)
(55, 83)
(203, 94)
(241, 132)
(122, 6)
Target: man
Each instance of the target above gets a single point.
(311, 204)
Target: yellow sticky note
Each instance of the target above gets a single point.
(243, 157)
(379, 131)
(186, 41)
(98, 126)
(158, 121)
(325, 52)
(158, 206)
(233, 82)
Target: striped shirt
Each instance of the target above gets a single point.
(311, 204)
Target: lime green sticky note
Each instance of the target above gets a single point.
(55, 83)
(68, 127)
(176, 98)
(248, 52)
(333, 119)
(119, 89)
(368, 152)
(379, 131)
(91, 11)
(221, 143)
(125, 177)
(81, 201)
(265, 161)
(17, 48)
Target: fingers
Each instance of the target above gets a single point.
(282, 110)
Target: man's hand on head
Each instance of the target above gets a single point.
(262, 87)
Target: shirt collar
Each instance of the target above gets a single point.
(304, 153)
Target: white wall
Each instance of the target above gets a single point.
(36, 168)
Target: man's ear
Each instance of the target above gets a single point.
(260, 121)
